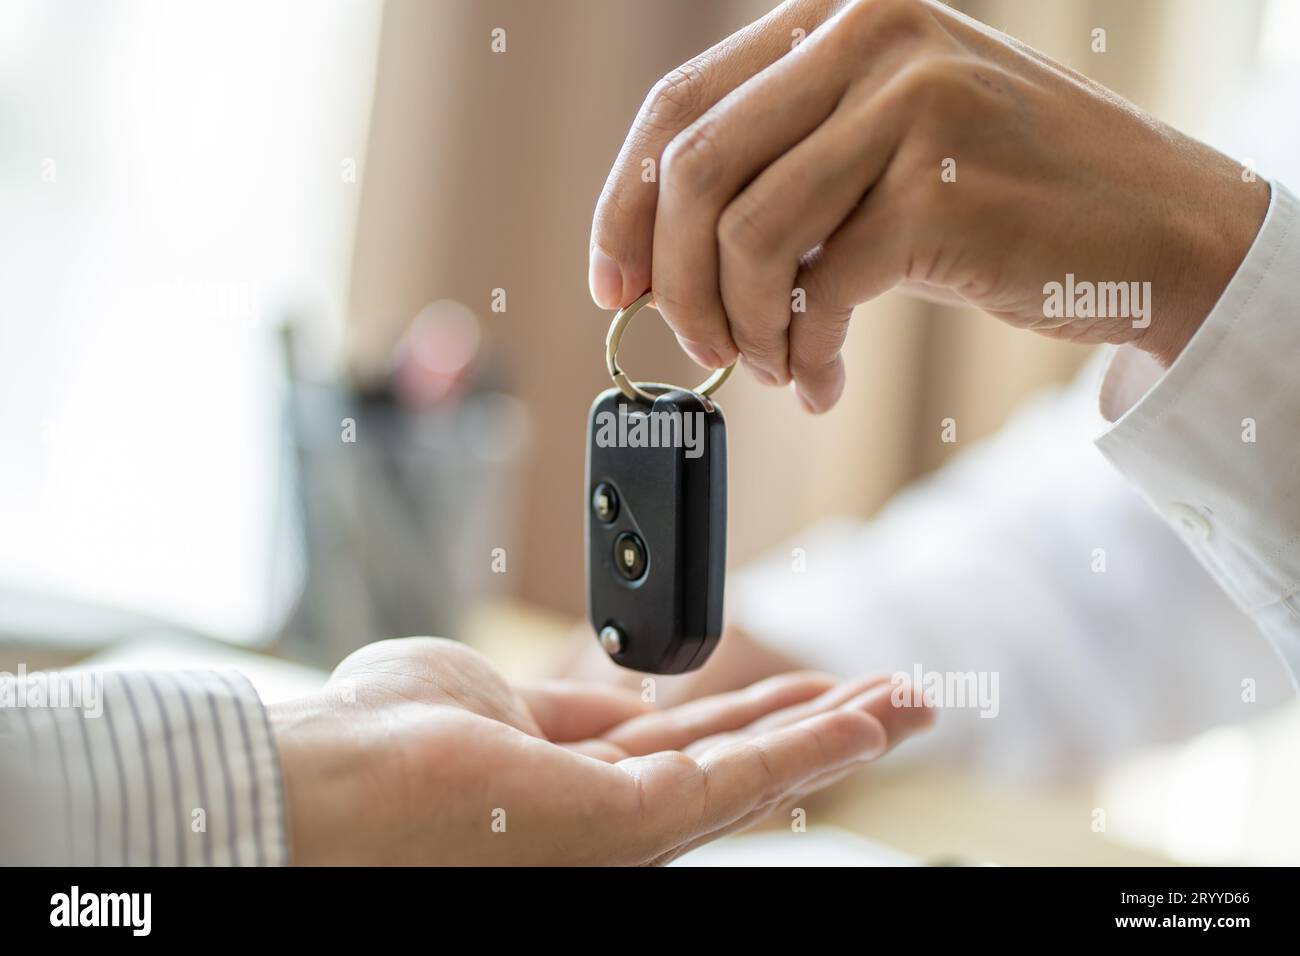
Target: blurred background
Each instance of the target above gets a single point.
(296, 348)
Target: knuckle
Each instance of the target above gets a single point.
(771, 781)
(690, 162)
(675, 100)
(942, 87)
(818, 347)
(693, 783)
(766, 350)
(821, 290)
(666, 803)
(743, 229)
(884, 19)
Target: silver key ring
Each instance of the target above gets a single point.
(633, 389)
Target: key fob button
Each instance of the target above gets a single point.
(604, 502)
(611, 639)
(629, 556)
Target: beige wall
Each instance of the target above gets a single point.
(482, 172)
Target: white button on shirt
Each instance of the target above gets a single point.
(1189, 521)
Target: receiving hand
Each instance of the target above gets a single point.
(418, 752)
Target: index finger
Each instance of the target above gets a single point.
(622, 230)
(683, 800)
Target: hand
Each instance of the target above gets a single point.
(819, 173)
(416, 748)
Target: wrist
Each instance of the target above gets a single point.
(1201, 250)
(319, 765)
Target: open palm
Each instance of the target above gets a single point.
(452, 764)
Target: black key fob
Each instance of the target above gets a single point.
(656, 507)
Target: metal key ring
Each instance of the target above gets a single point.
(632, 389)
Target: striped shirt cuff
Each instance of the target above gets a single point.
(170, 768)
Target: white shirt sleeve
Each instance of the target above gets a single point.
(1030, 564)
(175, 768)
(1213, 443)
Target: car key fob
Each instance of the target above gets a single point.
(656, 519)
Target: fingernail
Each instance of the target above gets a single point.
(807, 402)
(702, 354)
(605, 279)
(763, 375)
(705, 356)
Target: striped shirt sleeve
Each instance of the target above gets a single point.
(117, 768)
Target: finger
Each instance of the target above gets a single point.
(622, 232)
(678, 727)
(574, 711)
(820, 782)
(913, 720)
(900, 710)
(704, 168)
(768, 231)
(598, 749)
(866, 257)
(890, 702)
(733, 142)
(833, 697)
(816, 359)
(684, 800)
(882, 704)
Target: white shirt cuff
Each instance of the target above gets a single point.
(1214, 442)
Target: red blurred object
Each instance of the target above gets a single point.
(434, 362)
